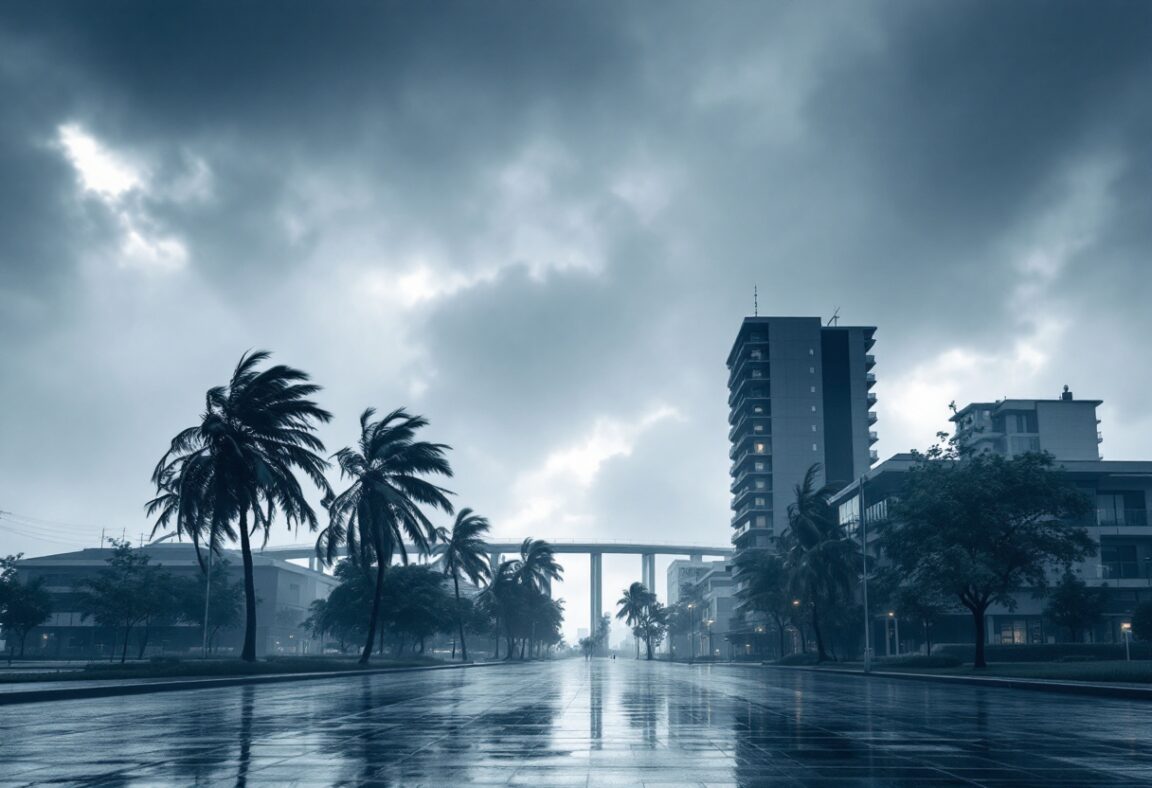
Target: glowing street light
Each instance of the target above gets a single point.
(1126, 628)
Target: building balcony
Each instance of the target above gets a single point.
(747, 388)
(871, 400)
(869, 361)
(871, 417)
(870, 379)
(746, 427)
(746, 364)
(1121, 517)
(758, 445)
(872, 437)
(748, 410)
(873, 455)
(742, 477)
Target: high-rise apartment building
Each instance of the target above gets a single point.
(799, 393)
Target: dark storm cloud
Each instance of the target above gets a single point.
(539, 223)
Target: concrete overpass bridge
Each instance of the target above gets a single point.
(594, 550)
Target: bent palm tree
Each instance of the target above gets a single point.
(381, 507)
(465, 553)
(633, 606)
(820, 560)
(240, 460)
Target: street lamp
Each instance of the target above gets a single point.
(709, 622)
(1126, 628)
(692, 631)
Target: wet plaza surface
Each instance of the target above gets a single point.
(574, 723)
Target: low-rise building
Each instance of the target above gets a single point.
(284, 592)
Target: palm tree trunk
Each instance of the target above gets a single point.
(820, 653)
(459, 620)
(376, 597)
(249, 652)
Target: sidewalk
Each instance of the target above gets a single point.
(1095, 688)
(38, 691)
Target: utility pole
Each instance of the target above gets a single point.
(864, 554)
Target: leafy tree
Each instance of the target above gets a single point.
(820, 560)
(1142, 621)
(977, 528)
(416, 605)
(1074, 606)
(239, 462)
(127, 593)
(225, 600)
(23, 605)
(465, 554)
(518, 594)
(766, 588)
(651, 626)
(587, 646)
(633, 606)
(382, 506)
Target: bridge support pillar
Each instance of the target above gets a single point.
(597, 599)
(648, 571)
(494, 562)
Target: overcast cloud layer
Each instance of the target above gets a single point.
(539, 224)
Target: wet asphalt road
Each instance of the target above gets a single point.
(574, 723)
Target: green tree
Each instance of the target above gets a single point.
(127, 593)
(766, 589)
(651, 626)
(820, 560)
(1072, 605)
(23, 605)
(416, 605)
(1142, 621)
(633, 605)
(465, 554)
(239, 462)
(225, 600)
(978, 528)
(382, 506)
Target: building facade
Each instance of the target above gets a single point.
(284, 593)
(1119, 522)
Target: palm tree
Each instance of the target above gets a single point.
(515, 581)
(381, 507)
(240, 461)
(633, 607)
(537, 568)
(465, 553)
(821, 562)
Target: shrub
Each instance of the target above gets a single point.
(920, 661)
(1045, 652)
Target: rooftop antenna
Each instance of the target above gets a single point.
(755, 302)
(835, 319)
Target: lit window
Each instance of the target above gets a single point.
(758, 409)
(813, 447)
(759, 501)
(813, 408)
(760, 448)
(757, 427)
(811, 351)
(813, 427)
(812, 389)
(760, 484)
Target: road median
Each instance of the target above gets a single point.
(77, 690)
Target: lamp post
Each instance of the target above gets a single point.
(1126, 629)
(795, 608)
(709, 624)
(692, 632)
(864, 578)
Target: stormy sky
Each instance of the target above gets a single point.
(539, 224)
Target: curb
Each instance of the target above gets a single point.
(996, 682)
(115, 690)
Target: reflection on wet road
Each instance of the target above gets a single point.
(574, 723)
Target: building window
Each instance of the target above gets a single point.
(760, 484)
(813, 427)
(812, 389)
(757, 408)
(813, 408)
(813, 447)
(757, 337)
(811, 370)
(755, 355)
(759, 447)
(757, 427)
(757, 373)
(759, 502)
(811, 351)
(761, 521)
